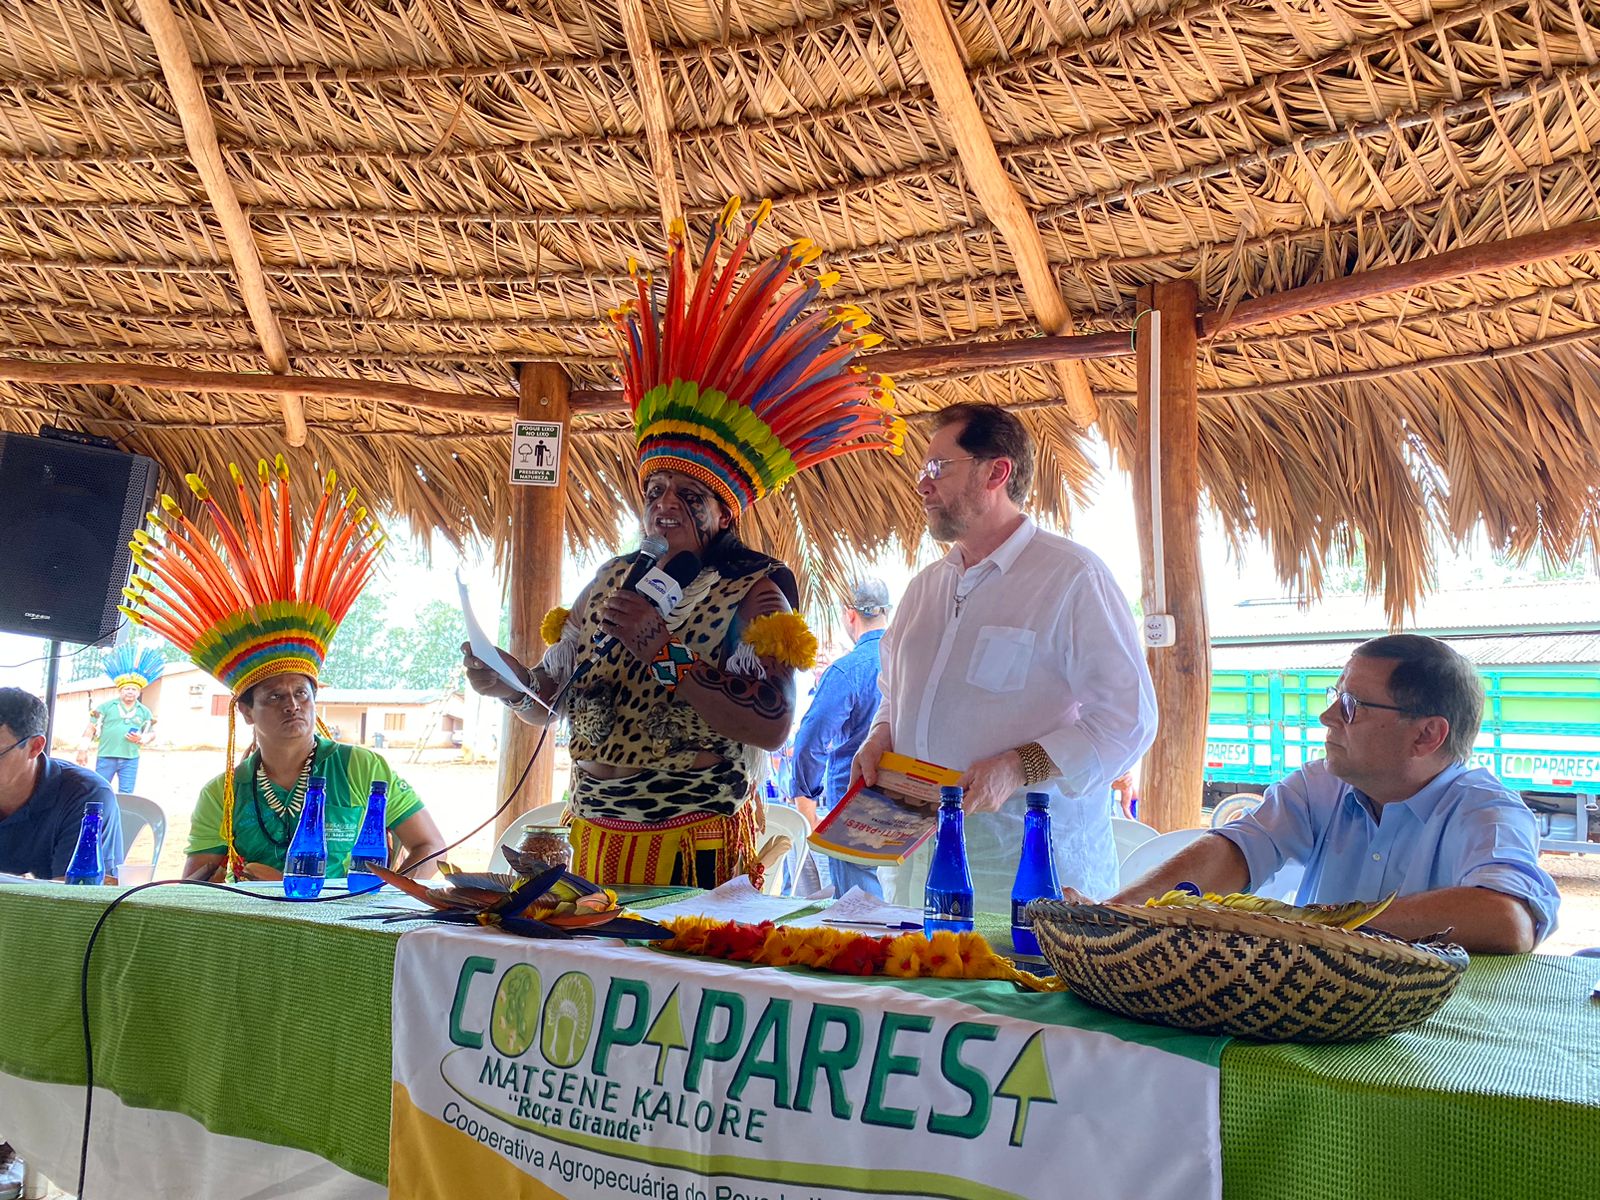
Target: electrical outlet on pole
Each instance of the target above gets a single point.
(1159, 630)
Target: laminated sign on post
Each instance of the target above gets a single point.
(535, 453)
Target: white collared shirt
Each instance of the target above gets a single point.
(1035, 643)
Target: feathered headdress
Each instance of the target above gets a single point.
(128, 663)
(252, 611)
(739, 386)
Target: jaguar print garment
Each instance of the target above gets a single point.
(619, 715)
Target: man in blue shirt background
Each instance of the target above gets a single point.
(1393, 807)
(836, 724)
(42, 798)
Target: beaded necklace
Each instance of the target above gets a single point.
(287, 811)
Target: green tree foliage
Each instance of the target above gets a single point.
(383, 645)
(427, 652)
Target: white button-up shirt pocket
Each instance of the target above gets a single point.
(1000, 659)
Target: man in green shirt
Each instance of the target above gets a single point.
(269, 789)
(118, 728)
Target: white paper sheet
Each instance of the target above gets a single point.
(483, 649)
(857, 909)
(736, 900)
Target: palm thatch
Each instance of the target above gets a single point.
(424, 194)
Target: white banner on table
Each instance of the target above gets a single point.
(591, 1071)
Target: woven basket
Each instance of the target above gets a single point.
(1244, 973)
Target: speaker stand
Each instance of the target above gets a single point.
(52, 674)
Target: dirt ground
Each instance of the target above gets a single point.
(461, 796)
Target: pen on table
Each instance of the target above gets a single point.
(874, 924)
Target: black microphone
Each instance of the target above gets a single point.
(650, 550)
(662, 586)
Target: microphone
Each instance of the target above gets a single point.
(662, 586)
(650, 551)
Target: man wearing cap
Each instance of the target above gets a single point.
(837, 722)
(1013, 659)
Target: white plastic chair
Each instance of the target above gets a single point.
(1129, 834)
(781, 819)
(1156, 851)
(137, 812)
(545, 814)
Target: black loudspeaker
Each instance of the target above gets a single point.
(67, 510)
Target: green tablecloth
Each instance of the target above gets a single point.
(272, 1022)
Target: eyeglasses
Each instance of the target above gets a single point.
(1349, 705)
(13, 746)
(934, 467)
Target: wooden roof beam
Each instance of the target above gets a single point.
(928, 24)
(1561, 242)
(652, 96)
(176, 379)
(200, 132)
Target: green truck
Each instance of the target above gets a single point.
(1540, 734)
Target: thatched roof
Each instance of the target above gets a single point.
(427, 193)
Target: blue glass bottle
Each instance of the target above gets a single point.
(372, 843)
(87, 865)
(1036, 872)
(947, 899)
(307, 861)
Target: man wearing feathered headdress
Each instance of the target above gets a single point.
(671, 716)
(119, 727)
(260, 622)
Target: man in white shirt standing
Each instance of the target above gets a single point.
(1015, 660)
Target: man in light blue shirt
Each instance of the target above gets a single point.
(1393, 807)
(837, 722)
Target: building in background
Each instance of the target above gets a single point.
(191, 711)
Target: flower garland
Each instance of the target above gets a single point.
(908, 956)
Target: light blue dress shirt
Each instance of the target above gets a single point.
(1464, 829)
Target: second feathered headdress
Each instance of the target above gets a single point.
(130, 664)
(260, 606)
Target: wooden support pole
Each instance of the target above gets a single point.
(537, 515)
(1172, 778)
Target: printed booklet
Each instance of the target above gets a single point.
(882, 825)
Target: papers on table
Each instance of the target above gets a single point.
(5, 878)
(857, 909)
(736, 900)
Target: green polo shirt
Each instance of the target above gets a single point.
(262, 835)
(116, 723)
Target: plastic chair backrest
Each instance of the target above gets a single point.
(1156, 851)
(545, 814)
(138, 812)
(1129, 834)
(782, 819)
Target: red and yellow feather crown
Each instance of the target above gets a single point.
(741, 386)
(252, 611)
